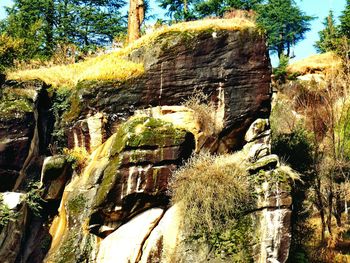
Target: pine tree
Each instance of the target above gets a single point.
(329, 36)
(178, 10)
(284, 23)
(45, 24)
(135, 19)
(219, 7)
(345, 20)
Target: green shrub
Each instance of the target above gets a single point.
(6, 214)
(10, 49)
(280, 72)
(214, 193)
(33, 198)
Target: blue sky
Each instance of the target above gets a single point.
(318, 8)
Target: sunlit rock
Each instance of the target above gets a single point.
(125, 244)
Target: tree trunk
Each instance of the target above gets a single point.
(135, 19)
(320, 207)
(49, 17)
(338, 206)
(330, 210)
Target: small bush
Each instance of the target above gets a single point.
(33, 198)
(280, 73)
(10, 49)
(6, 214)
(77, 157)
(214, 193)
(205, 112)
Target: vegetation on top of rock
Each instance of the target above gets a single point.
(105, 67)
(316, 63)
(214, 193)
(113, 66)
(15, 102)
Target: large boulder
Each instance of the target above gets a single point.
(231, 67)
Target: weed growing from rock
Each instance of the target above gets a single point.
(205, 112)
(214, 194)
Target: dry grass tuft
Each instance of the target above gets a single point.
(113, 66)
(211, 191)
(317, 63)
(205, 113)
(105, 67)
(233, 24)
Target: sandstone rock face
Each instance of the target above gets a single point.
(274, 197)
(23, 116)
(13, 231)
(143, 155)
(231, 67)
(116, 208)
(54, 176)
(136, 232)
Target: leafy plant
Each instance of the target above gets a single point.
(6, 214)
(33, 198)
(77, 157)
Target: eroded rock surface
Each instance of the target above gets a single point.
(136, 133)
(23, 118)
(231, 67)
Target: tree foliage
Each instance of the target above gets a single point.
(10, 48)
(219, 7)
(345, 20)
(329, 36)
(178, 10)
(45, 24)
(284, 23)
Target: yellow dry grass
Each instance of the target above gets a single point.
(112, 66)
(315, 63)
(105, 67)
(232, 24)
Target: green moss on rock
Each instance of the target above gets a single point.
(76, 204)
(15, 103)
(146, 131)
(110, 175)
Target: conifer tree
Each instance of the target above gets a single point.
(219, 7)
(285, 24)
(345, 20)
(329, 36)
(45, 24)
(179, 10)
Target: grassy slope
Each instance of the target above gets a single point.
(113, 66)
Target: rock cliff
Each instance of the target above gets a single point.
(105, 152)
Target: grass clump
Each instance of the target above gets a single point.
(105, 67)
(77, 156)
(205, 113)
(214, 194)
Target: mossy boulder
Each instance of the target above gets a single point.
(132, 182)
